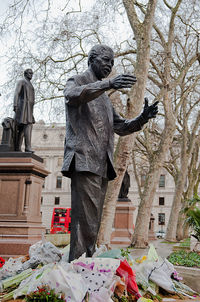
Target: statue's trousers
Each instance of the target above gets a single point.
(88, 193)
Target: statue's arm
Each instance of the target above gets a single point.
(17, 94)
(76, 95)
(124, 126)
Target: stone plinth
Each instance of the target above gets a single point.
(21, 178)
(123, 224)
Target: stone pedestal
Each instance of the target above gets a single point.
(21, 178)
(123, 224)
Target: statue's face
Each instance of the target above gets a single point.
(29, 74)
(102, 65)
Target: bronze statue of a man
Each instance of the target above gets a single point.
(123, 193)
(91, 122)
(24, 100)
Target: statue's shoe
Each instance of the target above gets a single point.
(29, 150)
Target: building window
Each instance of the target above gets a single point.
(161, 201)
(162, 181)
(161, 218)
(143, 178)
(41, 200)
(59, 182)
(57, 200)
(43, 185)
(60, 161)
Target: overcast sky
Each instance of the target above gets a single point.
(7, 41)
(4, 4)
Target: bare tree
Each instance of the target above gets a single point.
(54, 41)
(142, 33)
(187, 138)
(166, 75)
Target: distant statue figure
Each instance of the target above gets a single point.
(7, 141)
(24, 100)
(123, 193)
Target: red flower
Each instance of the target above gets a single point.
(2, 261)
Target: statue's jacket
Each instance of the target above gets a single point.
(91, 122)
(24, 100)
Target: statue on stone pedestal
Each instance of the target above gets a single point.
(8, 135)
(24, 100)
(123, 193)
(88, 155)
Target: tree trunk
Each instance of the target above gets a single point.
(186, 229)
(123, 152)
(176, 205)
(180, 227)
(144, 211)
(192, 175)
(188, 145)
(140, 236)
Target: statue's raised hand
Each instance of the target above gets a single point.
(123, 81)
(149, 111)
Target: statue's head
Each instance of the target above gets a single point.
(28, 73)
(101, 60)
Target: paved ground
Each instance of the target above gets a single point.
(163, 249)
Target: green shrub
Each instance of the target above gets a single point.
(185, 243)
(190, 259)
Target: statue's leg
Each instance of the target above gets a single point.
(88, 192)
(27, 137)
(19, 137)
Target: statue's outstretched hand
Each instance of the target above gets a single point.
(149, 111)
(123, 81)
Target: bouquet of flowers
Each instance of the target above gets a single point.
(44, 294)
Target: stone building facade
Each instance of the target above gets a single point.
(48, 143)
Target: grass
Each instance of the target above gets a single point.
(185, 242)
(184, 258)
(169, 242)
